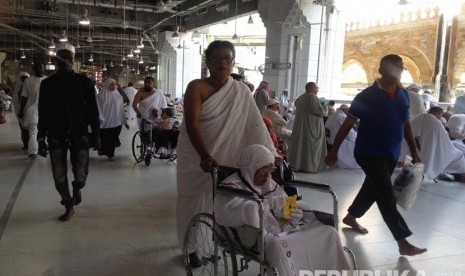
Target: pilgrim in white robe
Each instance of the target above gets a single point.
(417, 107)
(279, 124)
(30, 91)
(456, 125)
(155, 101)
(131, 93)
(307, 147)
(311, 245)
(229, 121)
(345, 155)
(112, 117)
(437, 151)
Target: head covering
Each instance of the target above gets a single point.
(110, 105)
(261, 86)
(413, 86)
(272, 102)
(252, 158)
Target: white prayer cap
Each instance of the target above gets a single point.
(414, 86)
(272, 101)
(66, 46)
(252, 158)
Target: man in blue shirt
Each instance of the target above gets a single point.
(383, 113)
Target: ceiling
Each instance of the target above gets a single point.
(116, 26)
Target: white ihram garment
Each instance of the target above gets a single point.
(312, 246)
(456, 125)
(437, 151)
(131, 93)
(229, 121)
(345, 155)
(31, 88)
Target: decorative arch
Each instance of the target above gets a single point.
(354, 66)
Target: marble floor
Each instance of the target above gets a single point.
(126, 225)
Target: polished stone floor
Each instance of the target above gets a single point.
(126, 226)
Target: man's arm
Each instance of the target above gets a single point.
(331, 158)
(408, 135)
(192, 110)
(136, 103)
(92, 109)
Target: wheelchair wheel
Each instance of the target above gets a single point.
(213, 247)
(138, 147)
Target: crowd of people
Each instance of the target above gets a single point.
(226, 122)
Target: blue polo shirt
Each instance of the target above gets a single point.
(382, 121)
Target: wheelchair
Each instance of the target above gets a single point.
(143, 146)
(222, 252)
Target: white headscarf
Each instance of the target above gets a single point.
(252, 158)
(111, 106)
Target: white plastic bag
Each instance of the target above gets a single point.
(407, 184)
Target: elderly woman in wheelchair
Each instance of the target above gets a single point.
(294, 237)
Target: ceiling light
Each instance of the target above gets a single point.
(23, 56)
(157, 52)
(49, 61)
(51, 53)
(141, 61)
(104, 67)
(141, 44)
(250, 21)
(179, 45)
(91, 58)
(403, 2)
(123, 58)
(64, 38)
(234, 36)
(78, 46)
(85, 20)
(130, 54)
(124, 24)
(137, 50)
(52, 44)
(111, 64)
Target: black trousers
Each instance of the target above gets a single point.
(377, 187)
(109, 138)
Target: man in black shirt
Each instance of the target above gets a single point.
(67, 106)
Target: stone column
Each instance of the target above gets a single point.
(309, 38)
(179, 62)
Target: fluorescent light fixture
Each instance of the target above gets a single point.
(52, 44)
(64, 38)
(84, 20)
(250, 21)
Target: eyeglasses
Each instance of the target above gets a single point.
(267, 170)
(227, 59)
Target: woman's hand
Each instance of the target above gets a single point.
(207, 163)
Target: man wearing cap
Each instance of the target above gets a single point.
(417, 107)
(307, 148)
(279, 124)
(67, 106)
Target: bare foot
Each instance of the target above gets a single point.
(405, 248)
(352, 222)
